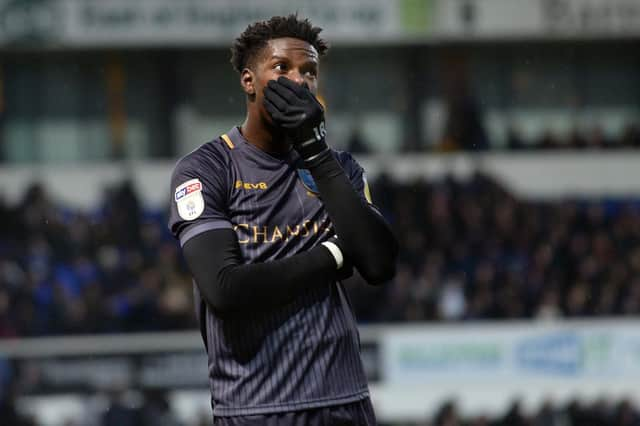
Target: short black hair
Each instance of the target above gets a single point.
(255, 37)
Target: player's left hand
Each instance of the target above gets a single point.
(295, 109)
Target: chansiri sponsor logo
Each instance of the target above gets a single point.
(263, 234)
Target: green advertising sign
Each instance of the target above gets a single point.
(416, 15)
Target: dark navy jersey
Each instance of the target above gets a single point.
(303, 354)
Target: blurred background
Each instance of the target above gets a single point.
(501, 139)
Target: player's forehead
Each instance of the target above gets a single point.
(290, 48)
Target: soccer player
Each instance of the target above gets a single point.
(270, 220)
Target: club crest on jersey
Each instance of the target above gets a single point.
(307, 181)
(189, 200)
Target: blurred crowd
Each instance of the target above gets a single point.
(470, 250)
(64, 271)
(131, 408)
(602, 412)
(117, 407)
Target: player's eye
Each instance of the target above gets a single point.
(280, 67)
(311, 73)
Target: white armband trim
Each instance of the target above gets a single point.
(313, 157)
(308, 142)
(335, 252)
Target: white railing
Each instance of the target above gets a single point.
(529, 174)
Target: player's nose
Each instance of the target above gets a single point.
(296, 77)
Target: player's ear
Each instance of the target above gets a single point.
(247, 80)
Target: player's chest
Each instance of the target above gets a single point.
(273, 196)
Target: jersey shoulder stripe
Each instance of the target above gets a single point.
(227, 140)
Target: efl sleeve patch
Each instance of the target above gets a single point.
(189, 200)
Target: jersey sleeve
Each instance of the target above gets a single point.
(357, 176)
(198, 197)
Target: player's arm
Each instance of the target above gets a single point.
(199, 219)
(231, 287)
(366, 237)
(364, 233)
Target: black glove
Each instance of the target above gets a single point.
(296, 110)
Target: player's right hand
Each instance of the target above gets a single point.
(296, 110)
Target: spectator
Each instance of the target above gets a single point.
(120, 412)
(356, 142)
(631, 136)
(464, 128)
(576, 141)
(447, 415)
(548, 141)
(8, 411)
(548, 416)
(156, 411)
(597, 140)
(514, 416)
(514, 140)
